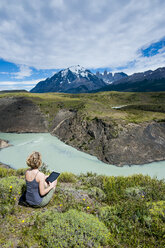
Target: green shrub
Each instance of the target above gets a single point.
(92, 180)
(4, 172)
(135, 192)
(70, 229)
(67, 177)
(118, 188)
(133, 222)
(11, 182)
(7, 172)
(10, 188)
(97, 193)
(158, 209)
(108, 215)
(44, 168)
(21, 172)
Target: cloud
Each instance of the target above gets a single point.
(60, 33)
(144, 63)
(13, 85)
(25, 71)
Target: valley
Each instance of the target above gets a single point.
(92, 123)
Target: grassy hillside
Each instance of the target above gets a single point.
(140, 107)
(86, 211)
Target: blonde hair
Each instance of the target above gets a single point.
(34, 160)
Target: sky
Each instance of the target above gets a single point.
(39, 38)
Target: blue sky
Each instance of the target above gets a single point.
(38, 38)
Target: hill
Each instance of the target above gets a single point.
(87, 210)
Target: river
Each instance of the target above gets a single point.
(61, 157)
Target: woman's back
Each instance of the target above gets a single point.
(33, 196)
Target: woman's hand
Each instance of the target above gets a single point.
(53, 184)
(45, 187)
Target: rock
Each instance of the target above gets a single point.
(3, 144)
(131, 144)
(20, 114)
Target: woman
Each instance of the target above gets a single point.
(38, 191)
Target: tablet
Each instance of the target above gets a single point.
(52, 177)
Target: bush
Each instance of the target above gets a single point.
(108, 215)
(70, 229)
(134, 221)
(4, 172)
(135, 192)
(119, 188)
(11, 182)
(97, 193)
(67, 177)
(21, 172)
(158, 210)
(92, 180)
(44, 168)
(10, 188)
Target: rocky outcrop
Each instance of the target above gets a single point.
(3, 144)
(114, 144)
(20, 114)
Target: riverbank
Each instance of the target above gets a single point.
(4, 144)
(61, 157)
(93, 123)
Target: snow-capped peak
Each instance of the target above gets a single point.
(78, 70)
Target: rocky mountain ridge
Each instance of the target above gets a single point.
(141, 76)
(75, 79)
(110, 78)
(149, 81)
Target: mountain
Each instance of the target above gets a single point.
(75, 79)
(109, 78)
(148, 81)
(13, 91)
(141, 76)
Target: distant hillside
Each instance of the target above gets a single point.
(139, 86)
(75, 79)
(141, 76)
(12, 91)
(149, 81)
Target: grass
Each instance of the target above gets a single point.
(88, 210)
(141, 107)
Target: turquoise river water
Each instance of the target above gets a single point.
(61, 157)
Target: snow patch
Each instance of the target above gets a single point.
(77, 69)
(84, 74)
(64, 73)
